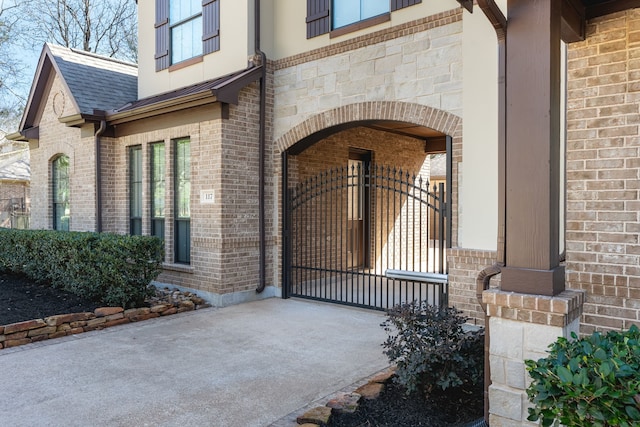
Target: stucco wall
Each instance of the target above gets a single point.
(236, 45)
(285, 32)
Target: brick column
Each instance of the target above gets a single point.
(522, 327)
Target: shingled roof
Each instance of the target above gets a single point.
(95, 82)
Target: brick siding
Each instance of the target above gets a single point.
(464, 267)
(603, 164)
(57, 139)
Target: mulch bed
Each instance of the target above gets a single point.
(451, 408)
(22, 299)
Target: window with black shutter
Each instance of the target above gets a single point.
(326, 15)
(185, 29)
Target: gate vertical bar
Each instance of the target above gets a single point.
(449, 186)
(442, 209)
(286, 229)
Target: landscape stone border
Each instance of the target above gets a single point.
(164, 303)
(346, 402)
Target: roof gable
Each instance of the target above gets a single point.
(94, 82)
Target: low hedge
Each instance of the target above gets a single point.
(113, 269)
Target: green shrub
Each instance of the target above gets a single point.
(591, 381)
(113, 269)
(432, 349)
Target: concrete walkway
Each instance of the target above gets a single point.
(244, 365)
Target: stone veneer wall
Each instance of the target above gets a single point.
(603, 171)
(417, 62)
(522, 327)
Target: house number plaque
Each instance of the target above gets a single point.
(207, 197)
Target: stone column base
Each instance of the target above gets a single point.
(522, 326)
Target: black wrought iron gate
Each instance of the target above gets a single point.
(365, 235)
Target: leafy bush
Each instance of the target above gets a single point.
(432, 349)
(113, 269)
(592, 381)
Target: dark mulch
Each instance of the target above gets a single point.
(22, 299)
(454, 407)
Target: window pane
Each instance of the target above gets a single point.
(157, 180)
(60, 185)
(135, 189)
(183, 9)
(345, 12)
(182, 199)
(183, 179)
(186, 40)
(371, 8)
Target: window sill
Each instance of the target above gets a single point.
(181, 268)
(360, 25)
(185, 63)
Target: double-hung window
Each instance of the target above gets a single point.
(60, 184)
(182, 210)
(323, 16)
(158, 189)
(185, 19)
(185, 29)
(135, 190)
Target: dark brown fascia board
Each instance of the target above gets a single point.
(37, 90)
(226, 92)
(573, 27)
(31, 133)
(467, 4)
(229, 90)
(611, 6)
(169, 106)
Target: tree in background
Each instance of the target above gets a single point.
(13, 79)
(105, 27)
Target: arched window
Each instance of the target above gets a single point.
(60, 184)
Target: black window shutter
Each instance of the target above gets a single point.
(399, 4)
(210, 26)
(162, 34)
(318, 17)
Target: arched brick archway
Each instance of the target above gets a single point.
(433, 118)
(422, 115)
(298, 144)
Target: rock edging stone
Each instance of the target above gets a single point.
(164, 302)
(346, 402)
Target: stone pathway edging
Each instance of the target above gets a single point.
(165, 302)
(345, 400)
